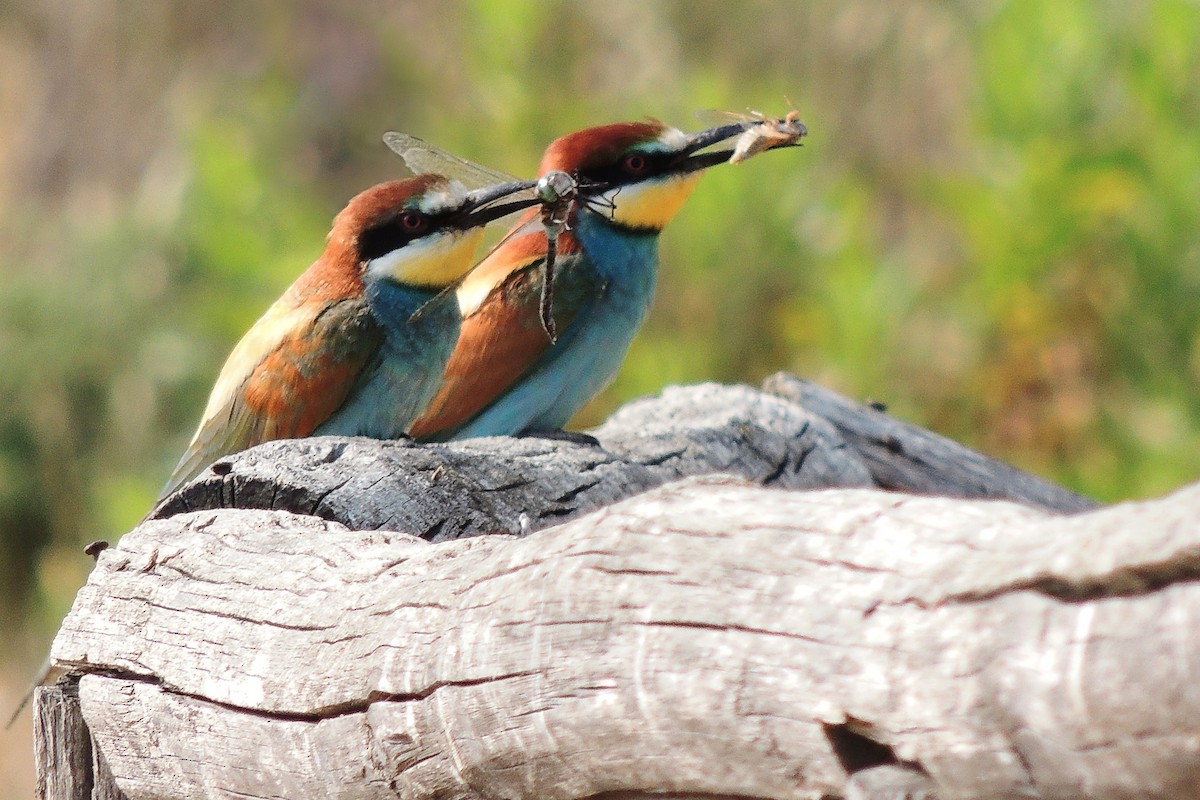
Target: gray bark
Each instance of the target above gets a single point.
(712, 636)
(709, 638)
(62, 749)
(798, 436)
(906, 458)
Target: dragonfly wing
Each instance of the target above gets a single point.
(420, 156)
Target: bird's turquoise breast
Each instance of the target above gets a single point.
(420, 330)
(617, 271)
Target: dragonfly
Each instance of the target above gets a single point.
(556, 191)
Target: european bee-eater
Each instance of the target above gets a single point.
(508, 374)
(342, 351)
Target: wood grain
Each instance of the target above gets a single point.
(708, 637)
(718, 600)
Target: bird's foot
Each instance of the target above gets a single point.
(559, 435)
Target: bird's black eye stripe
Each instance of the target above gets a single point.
(395, 232)
(632, 167)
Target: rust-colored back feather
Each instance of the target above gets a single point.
(501, 339)
(502, 336)
(299, 362)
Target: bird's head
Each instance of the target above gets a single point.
(419, 232)
(646, 170)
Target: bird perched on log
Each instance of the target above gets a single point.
(342, 351)
(509, 372)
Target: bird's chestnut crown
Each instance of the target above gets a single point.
(624, 152)
(644, 163)
(412, 232)
(391, 215)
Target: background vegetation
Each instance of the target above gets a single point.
(994, 227)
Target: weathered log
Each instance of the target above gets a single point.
(703, 638)
(706, 638)
(910, 459)
(804, 438)
(63, 735)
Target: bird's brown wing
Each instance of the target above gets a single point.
(502, 336)
(286, 376)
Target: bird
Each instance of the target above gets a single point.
(510, 373)
(357, 345)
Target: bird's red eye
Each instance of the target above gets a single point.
(634, 164)
(413, 222)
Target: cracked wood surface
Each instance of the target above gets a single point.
(906, 458)
(795, 435)
(708, 637)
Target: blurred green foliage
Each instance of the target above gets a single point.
(994, 226)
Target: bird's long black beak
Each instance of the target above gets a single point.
(482, 206)
(693, 160)
(707, 138)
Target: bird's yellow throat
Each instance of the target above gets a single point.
(432, 262)
(652, 204)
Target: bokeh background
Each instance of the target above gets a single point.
(994, 225)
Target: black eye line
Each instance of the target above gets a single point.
(615, 174)
(391, 234)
